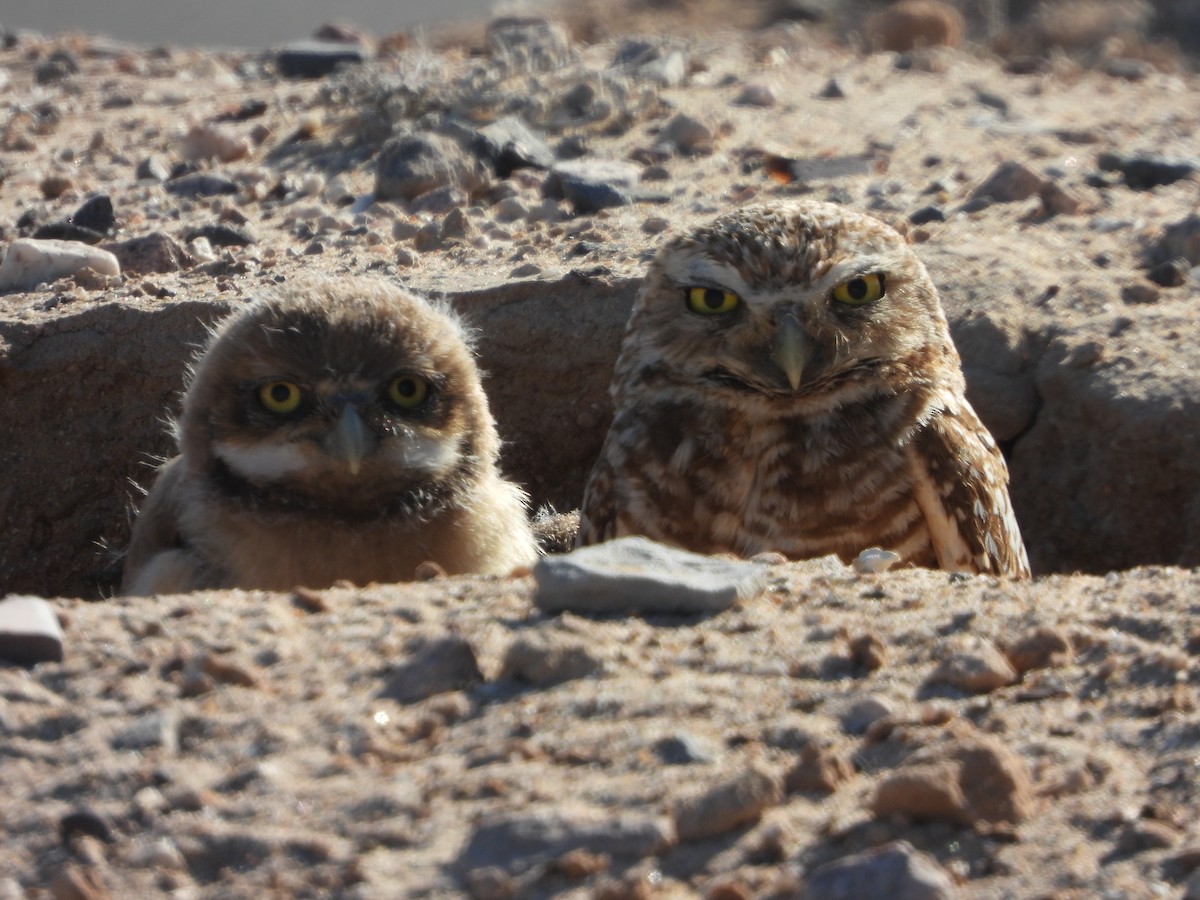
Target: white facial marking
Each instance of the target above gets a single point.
(701, 270)
(262, 462)
(421, 452)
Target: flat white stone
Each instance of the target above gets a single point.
(29, 631)
(30, 262)
(633, 574)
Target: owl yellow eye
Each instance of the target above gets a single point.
(860, 291)
(711, 301)
(281, 397)
(408, 391)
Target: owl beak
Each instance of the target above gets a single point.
(789, 348)
(350, 440)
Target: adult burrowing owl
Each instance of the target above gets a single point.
(331, 430)
(787, 382)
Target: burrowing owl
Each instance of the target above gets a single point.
(787, 382)
(331, 430)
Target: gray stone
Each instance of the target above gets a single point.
(439, 201)
(683, 749)
(434, 666)
(1010, 182)
(1180, 240)
(689, 135)
(155, 729)
(863, 713)
(413, 164)
(153, 253)
(1145, 171)
(509, 144)
(518, 842)
(222, 234)
(529, 42)
(758, 94)
(316, 59)
(29, 631)
(895, 870)
(593, 184)
(153, 168)
(653, 62)
(633, 574)
(95, 214)
(200, 184)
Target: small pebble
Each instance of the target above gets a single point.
(874, 561)
(819, 770)
(977, 669)
(54, 186)
(1009, 182)
(689, 135)
(655, 225)
(864, 712)
(756, 93)
(1172, 273)
(832, 90)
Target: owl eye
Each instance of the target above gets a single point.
(711, 301)
(860, 291)
(280, 397)
(408, 391)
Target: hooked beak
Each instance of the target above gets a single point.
(350, 440)
(789, 349)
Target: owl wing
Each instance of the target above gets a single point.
(961, 485)
(597, 513)
(157, 561)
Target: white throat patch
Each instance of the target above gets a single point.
(262, 462)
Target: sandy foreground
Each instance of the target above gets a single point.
(940, 736)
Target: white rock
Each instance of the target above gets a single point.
(873, 560)
(29, 631)
(202, 249)
(30, 262)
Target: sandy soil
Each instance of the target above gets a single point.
(448, 739)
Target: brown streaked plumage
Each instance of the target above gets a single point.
(331, 430)
(788, 382)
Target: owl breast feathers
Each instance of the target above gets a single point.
(787, 382)
(331, 430)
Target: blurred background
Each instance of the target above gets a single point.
(228, 23)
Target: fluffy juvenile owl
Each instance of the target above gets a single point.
(787, 382)
(330, 430)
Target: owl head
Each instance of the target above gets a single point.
(353, 397)
(797, 303)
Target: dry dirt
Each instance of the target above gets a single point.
(445, 738)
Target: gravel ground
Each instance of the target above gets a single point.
(833, 735)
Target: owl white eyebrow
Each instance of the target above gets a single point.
(708, 273)
(856, 268)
